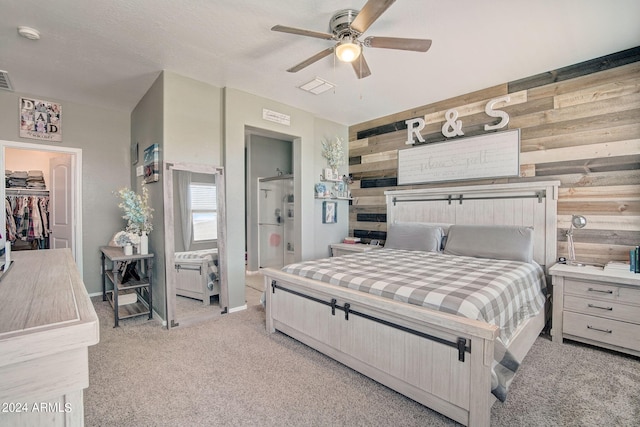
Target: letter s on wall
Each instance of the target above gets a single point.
(497, 113)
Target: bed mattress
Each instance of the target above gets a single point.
(499, 292)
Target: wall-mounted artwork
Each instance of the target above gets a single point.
(329, 212)
(40, 120)
(151, 167)
(492, 155)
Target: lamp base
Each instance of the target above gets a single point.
(576, 264)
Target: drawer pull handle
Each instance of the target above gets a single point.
(602, 292)
(608, 331)
(601, 308)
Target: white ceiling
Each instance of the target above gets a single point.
(108, 52)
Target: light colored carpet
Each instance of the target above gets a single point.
(229, 372)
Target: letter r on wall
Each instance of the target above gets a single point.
(414, 126)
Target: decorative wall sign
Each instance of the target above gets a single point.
(329, 212)
(452, 127)
(151, 167)
(274, 116)
(40, 120)
(485, 156)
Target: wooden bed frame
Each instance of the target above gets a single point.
(442, 361)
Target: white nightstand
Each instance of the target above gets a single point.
(596, 307)
(338, 249)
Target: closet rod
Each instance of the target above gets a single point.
(25, 192)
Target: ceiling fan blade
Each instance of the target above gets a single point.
(369, 13)
(318, 56)
(301, 32)
(361, 67)
(417, 45)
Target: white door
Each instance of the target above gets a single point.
(61, 205)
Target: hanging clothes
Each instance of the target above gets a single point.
(28, 218)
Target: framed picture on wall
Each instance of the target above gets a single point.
(151, 167)
(329, 212)
(40, 120)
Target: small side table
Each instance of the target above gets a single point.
(338, 249)
(142, 288)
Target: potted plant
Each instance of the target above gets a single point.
(138, 214)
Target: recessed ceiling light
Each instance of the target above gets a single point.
(29, 33)
(317, 86)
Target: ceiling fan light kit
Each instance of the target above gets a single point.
(347, 50)
(346, 27)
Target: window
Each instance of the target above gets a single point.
(204, 213)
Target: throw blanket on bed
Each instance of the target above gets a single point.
(499, 292)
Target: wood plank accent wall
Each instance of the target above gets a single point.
(579, 124)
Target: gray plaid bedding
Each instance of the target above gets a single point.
(499, 292)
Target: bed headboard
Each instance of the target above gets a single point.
(529, 204)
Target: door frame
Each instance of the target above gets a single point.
(169, 235)
(76, 190)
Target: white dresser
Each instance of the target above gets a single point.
(596, 307)
(47, 323)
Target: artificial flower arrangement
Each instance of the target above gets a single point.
(333, 151)
(137, 211)
(123, 238)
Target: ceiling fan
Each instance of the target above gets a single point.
(346, 28)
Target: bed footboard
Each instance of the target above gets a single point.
(192, 280)
(440, 360)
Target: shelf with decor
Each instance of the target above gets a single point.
(128, 297)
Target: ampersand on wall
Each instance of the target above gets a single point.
(452, 127)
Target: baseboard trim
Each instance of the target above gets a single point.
(234, 309)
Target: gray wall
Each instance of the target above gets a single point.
(104, 137)
(242, 110)
(147, 128)
(325, 234)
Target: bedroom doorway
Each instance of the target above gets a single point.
(269, 161)
(57, 174)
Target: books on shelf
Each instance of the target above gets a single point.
(352, 240)
(634, 261)
(617, 266)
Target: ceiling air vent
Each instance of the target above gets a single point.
(5, 83)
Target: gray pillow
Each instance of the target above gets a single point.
(491, 241)
(414, 236)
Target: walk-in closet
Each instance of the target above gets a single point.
(36, 182)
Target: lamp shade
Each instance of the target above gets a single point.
(347, 50)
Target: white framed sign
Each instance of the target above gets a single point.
(40, 119)
(486, 156)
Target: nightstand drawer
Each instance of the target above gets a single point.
(609, 309)
(602, 291)
(612, 332)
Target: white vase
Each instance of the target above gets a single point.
(128, 249)
(144, 244)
